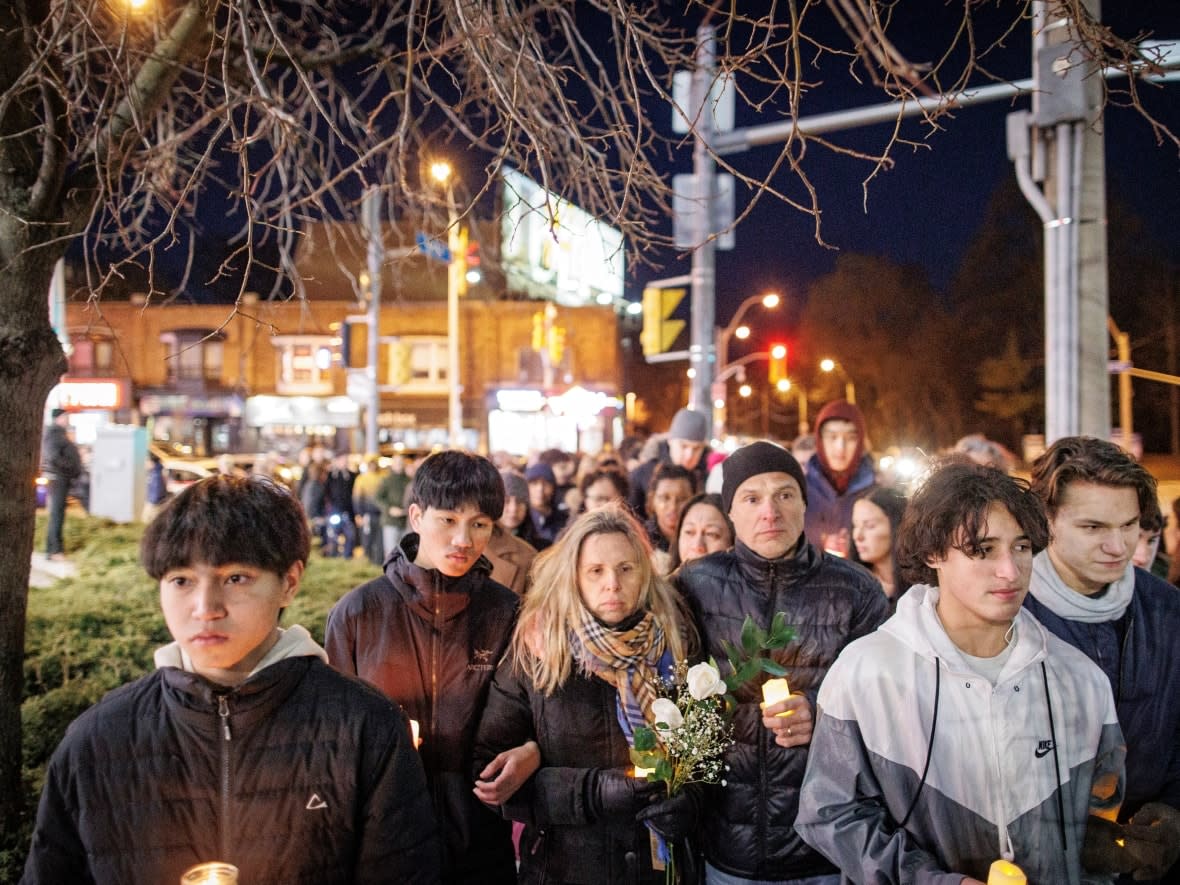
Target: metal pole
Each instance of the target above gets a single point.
(701, 356)
(371, 210)
(455, 245)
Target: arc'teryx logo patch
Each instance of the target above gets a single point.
(481, 659)
(1044, 748)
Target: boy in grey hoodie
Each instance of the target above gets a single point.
(244, 746)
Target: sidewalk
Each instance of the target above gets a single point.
(45, 572)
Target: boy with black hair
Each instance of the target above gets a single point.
(962, 731)
(243, 746)
(429, 634)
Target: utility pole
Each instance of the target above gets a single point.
(1068, 149)
(371, 212)
(701, 358)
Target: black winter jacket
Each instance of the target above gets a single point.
(432, 643)
(1140, 654)
(59, 455)
(749, 827)
(299, 775)
(577, 730)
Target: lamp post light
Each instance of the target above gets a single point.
(830, 365)
(441, 172)
(735, 328)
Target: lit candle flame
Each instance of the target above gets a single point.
(414, 732)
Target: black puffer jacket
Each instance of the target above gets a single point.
(299, 776)
(59, 455)
(749, 827)
(577, 729)
(431, 643)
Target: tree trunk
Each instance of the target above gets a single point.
(31, 363)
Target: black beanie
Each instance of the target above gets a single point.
(758, 457)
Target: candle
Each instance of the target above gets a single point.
(414, 732)
(1005, 872)
(775, 690)
(211, 873)
(641, 772)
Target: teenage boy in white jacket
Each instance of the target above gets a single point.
(962, 732)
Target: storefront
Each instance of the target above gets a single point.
(285, 424)
(202, 425)
(92, 403)
(522, 420)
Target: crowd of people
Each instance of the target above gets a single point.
(987, 671)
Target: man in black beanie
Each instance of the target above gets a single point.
(749, 830)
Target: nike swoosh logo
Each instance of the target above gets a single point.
(1041, 752)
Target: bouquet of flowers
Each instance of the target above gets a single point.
(693, 713)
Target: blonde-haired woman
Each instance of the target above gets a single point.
(596, 629)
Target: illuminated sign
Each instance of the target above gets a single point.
(520, 400)
(552, 249)
(92, 393)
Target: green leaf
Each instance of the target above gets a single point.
(644, 739)
(748, 671)
(750, 636)
(663, 771)
(773, 667)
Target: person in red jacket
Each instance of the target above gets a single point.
(243, 746)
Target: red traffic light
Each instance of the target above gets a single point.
(778, 363)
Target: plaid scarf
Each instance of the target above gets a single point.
(627, 659)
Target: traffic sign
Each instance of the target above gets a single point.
(433, 248)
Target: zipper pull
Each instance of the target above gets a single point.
(223, 712)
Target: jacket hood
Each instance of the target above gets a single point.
(294, 642)
(429, 592)
(916, 624)
(840, 410)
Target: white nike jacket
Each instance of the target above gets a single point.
(1007, 771)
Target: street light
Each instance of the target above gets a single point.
(829, 365)
(441, 172)
(770, 301)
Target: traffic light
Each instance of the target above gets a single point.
(457, 243)
(538, 337)
(659, 331)
(556, 345)
(474, 272)
(777, 371)
(344, 345)
(400, 368)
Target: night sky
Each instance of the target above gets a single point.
(928, 207)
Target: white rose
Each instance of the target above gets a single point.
(704, 681)
(665, 712)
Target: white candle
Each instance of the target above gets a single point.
(775, 690)
(210, 873)
(414, 732)
(1005, 872)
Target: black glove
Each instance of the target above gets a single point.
(675, 817)
(1153, 836)
(1104, 850)
(613, 795)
